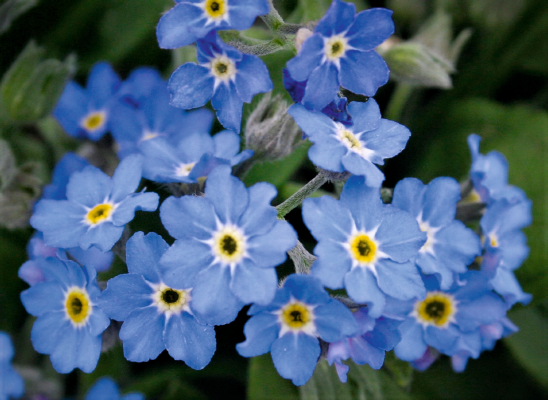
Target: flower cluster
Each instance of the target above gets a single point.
(409, 275)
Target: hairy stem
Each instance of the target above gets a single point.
(301, 194)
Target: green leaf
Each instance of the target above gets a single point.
(402, 371)
(11, 9)
(8, 169)
(529, 346)
(521, 134)
(325, 384)
(314, 10)
(265, 383)
(30, 89)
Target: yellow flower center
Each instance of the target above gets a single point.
(215, 9)
(335, 47)
(77, 305)
(437, 309)
(362, 248)
(493, 240)
(184, 169)
(169, 300)
(428, 246)
(350, 140)
(473, 197)
(94, 121)
(229, 244)
(99, 213)
(223, 68)
(296, 316)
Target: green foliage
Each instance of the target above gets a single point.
(11, 9)
(265, 383)
(31, 87)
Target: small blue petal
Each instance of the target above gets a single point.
(181, 26)
(103, 82)
(142, 334)
(295, 356)
(189, 341)
(358, 165)
(365, 116)
(440, 201)
(353, 77)
(399, 236)
(337, 18)
(143, 253)
(252, 78)
(183, 261)
(47, 330)
(42, 298)
(327, 219)
(89, 187)
(332, 264)
(310, 57)
(399, 280)
(412, 345)
(191, 86)
(362, 287)
(103, 236)
(269, 249)
(370, 28)
(123, 294)
(334, 321)
(227, 193)
(322, 86)
(188, 217)
(127, 177)
(260, 332)
(260, 216)
(228, 104)
(355, 196)
(252, 284)
(135, 202)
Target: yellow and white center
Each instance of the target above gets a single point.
(100, 213)
(493, 240)
(362, 248)
(352, 141)
(77, 306)
(436, 309)
(335, 47)
(222, 68)
(229, 245)
(147, 135)
(94, 121)
(428, 247)
(184, 169)
(171, 301)
(297, 316)
(215, 9)
(472, 197)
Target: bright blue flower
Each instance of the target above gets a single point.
(85, 113)
(106, 389)
(157, 315)
(191, 20)
(505, 246)
(191, 157)
(228, 245)
(69, 324)
(97, 208)
(138, 86)
(374, 338)
(153, 117)
(226, 76)
(337, 109)
(290, 326)
(489, 174)
(364, 246)
(341, 53)
(450, 245)
(31, 270)
(338, 147)
(11, 383)
(446, 319)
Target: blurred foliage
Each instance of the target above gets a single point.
(499, 90)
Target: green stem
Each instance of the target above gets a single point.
(273, 19)
(301, 194)
(398, 101)
(302, 259)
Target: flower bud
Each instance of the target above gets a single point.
(301, 36)
(270, 132)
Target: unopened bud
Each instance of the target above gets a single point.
(270, 132)
(8, 169)
(301, 36)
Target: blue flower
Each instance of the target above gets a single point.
(341, 53)
(11, 383)
(97, 208)
(364, 246)
(338, 147)
(69, 323)
(106, 389)
(228, 245)
(450, 246)
(446, 319)
(191, 157)
(142, 115)
(290, 326)
(489, 174)
(157, 315)
(505, 246)
(191, 20)
(226, 76)
(65, 167)
(374, 338)
(336, 110)
(31, 270)
(84, 113)
(138, 86)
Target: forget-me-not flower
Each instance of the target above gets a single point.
(191, 20)
(157, 315)
(290, 326)
(97, 207)
(364, 246)
(69, 324)
(84, 113)
(341, 53)
(11, 383)
(223, 74)
(338, 147)
(450, 246)
(228, 245)
(106, 389)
